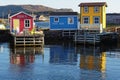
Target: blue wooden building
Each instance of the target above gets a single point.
(63, 21)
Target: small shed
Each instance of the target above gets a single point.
(21, 21)
(63, 21)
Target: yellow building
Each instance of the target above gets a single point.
(93, 16)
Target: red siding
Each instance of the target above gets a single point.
(22, 17)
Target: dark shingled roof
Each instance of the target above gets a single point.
(64, 13)
(93, 4)
(113, 14)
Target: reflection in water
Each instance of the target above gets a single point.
(60, 63)
(63, 55)
(92, 62)
(91, 58)
(24, 55)
(1, 48)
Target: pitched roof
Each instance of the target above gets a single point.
(20, 13)
(93, 4)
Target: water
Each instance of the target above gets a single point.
(44, 25)
(60, 62)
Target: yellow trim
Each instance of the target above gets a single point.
(16, 24)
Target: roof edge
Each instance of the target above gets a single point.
(92, 4)
(20, 13)
(64, 13)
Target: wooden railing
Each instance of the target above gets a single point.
(31, 40)
(91, 38)
(69, 33)
(90, 26)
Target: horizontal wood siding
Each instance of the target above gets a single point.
(62, 24)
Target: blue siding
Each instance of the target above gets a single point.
(63, 24)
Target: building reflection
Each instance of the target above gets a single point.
(92, 58)
(24, 55)
(1, 48)
(92, 62)
(63, 55)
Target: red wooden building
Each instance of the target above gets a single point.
(21, 21)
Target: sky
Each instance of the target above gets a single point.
(113, 5)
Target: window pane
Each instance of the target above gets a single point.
(70, 20)
(86, 9)
(86, 20)
(96, 20)
(27, 23)
(56, 19)
(96, 9)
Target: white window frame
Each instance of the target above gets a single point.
(55, 19)
(96, 9)
(27, 23)
(84, 21)
(96, 21)
(86, 9)
(70, 20)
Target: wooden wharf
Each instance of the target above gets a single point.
(84, 38)
(28, 40)
(68, 33)
(97, 38)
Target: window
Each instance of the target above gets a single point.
(56, 19)
(86, 9)
(70, 20)
(86, 20)
(27, 23)
(96, 9)
(96, 20)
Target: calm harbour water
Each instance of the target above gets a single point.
(44, 25)
(60, 62)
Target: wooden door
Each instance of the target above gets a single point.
(16, 24)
